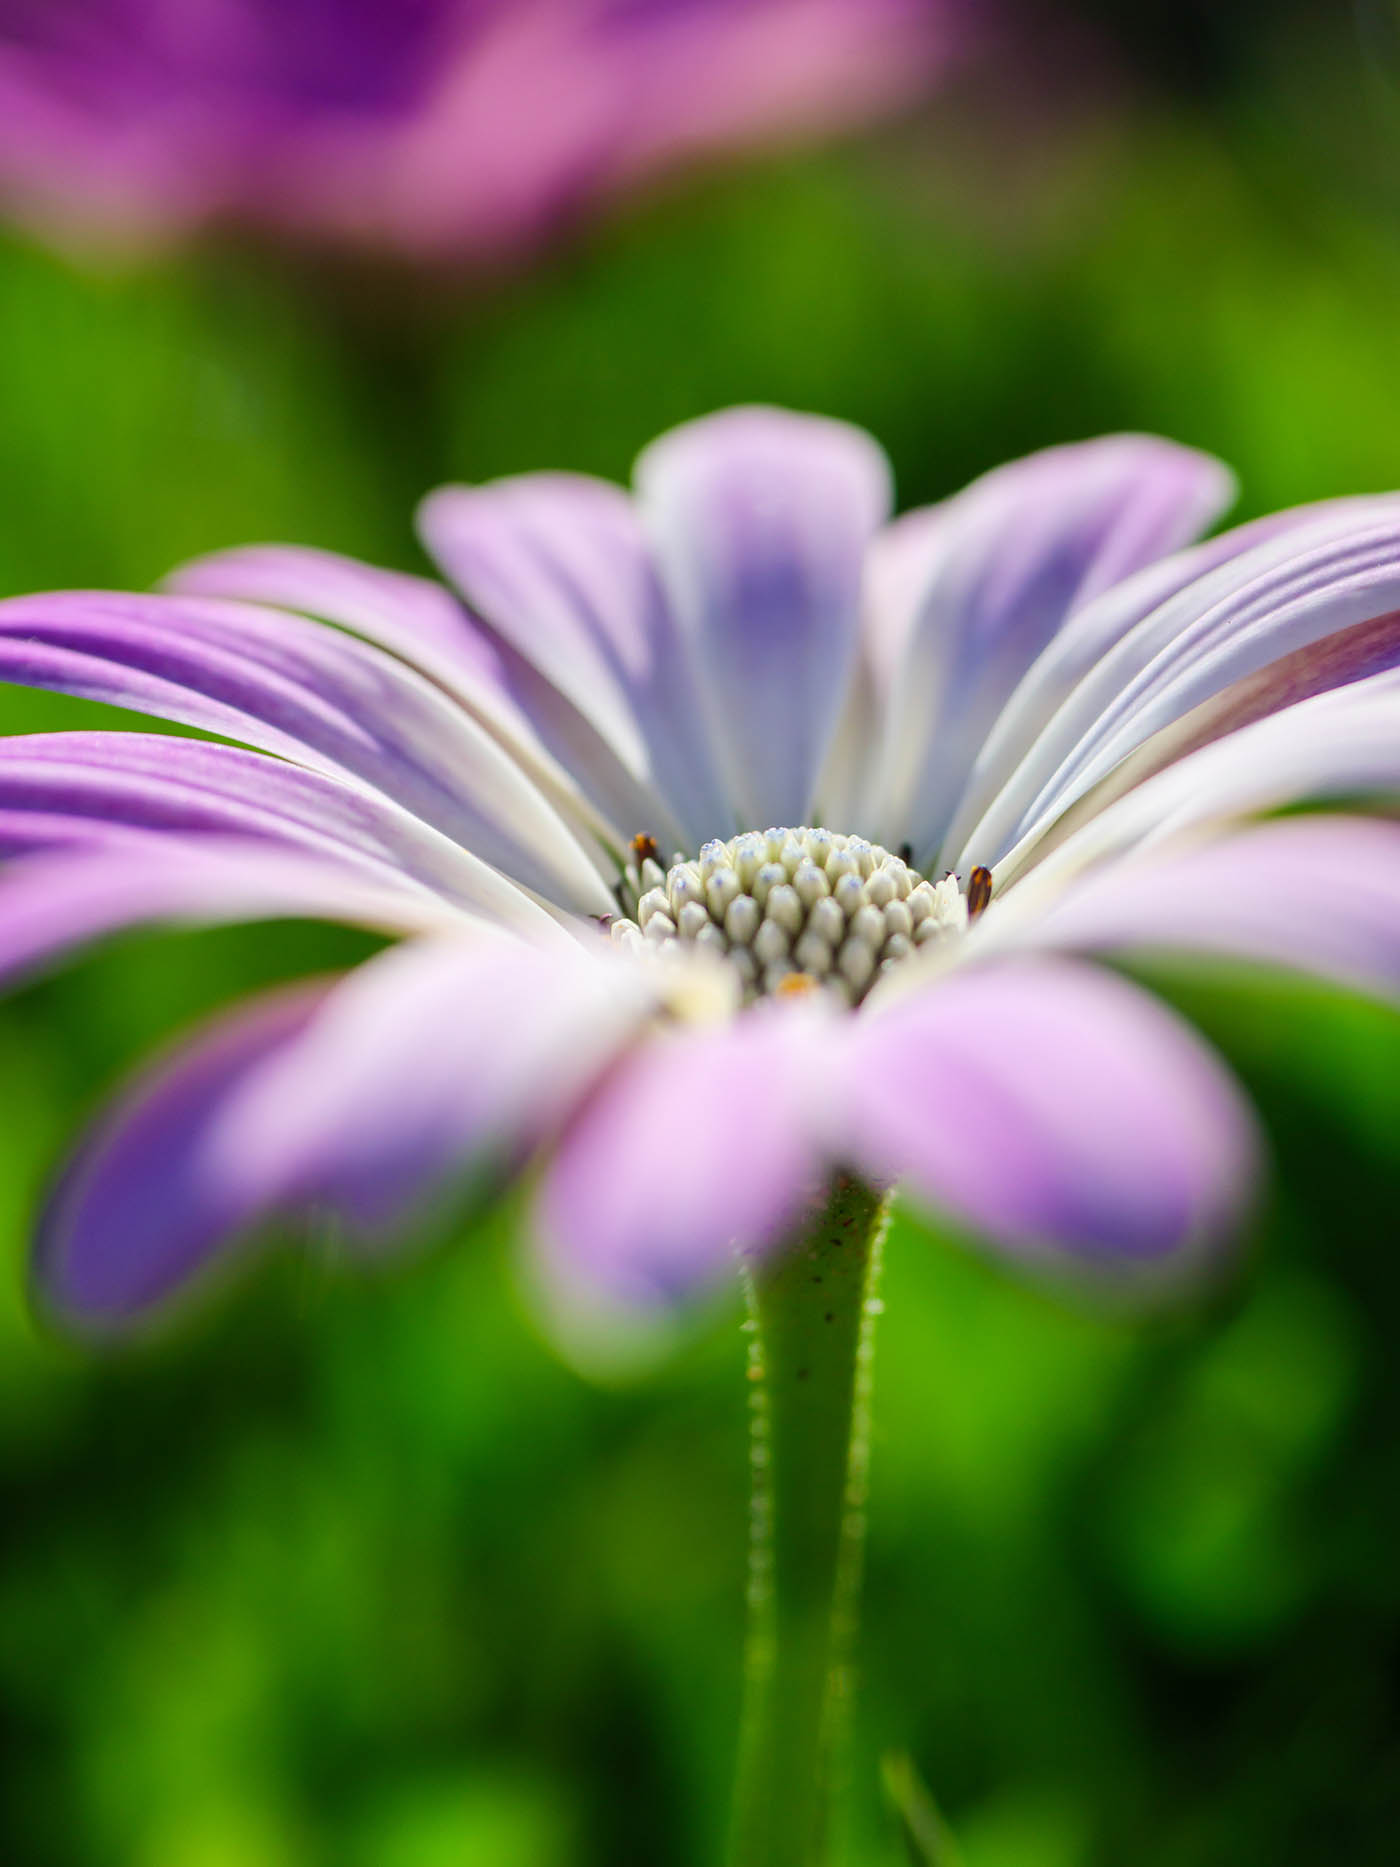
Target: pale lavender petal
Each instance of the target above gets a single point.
(1057, 1109)
(1313, 605)
(308, 693)
(1320, 894)
(51, 904)
(413, 617)
(1008, 758)
(557, 566)
(142, 1208)
(58, 788)
(702, 1140)
(760, 521)
(1350, 655)
(1339, 744)
(356, 1103)
(438, 1058)
(1005, 564)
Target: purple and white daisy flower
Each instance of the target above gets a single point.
(435, 127)
(999, 738)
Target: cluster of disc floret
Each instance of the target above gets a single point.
(790, 905)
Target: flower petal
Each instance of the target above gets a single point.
(1312, 606)
(760, 520)
(701, 1140)
(142, 1206)
(310, 694)
(557, 566)
(1337, 744)
(342, 1101)
(436, 1057)
(413, 617)
(61, 788)
(1321, 894)
(978, 586)
(52, 903)
(1058, 1110)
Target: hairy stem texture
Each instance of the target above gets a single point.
(812, 1315)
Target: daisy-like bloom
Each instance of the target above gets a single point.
(433, 126)
(737, 838)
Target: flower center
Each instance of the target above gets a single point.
(786, 907)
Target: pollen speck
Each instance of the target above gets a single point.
(795, 985)
(979, 891)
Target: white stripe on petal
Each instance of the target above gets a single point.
(557, 566)
(1328, 571)
(416, 619)
(311, 694)
(1338, 744)
(977, 587)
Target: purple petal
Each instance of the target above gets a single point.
(61, 788)
(308, 693)
(1338, 744)
(556, 564)
(50, 904)
(1058, 1110)
(403, 613)
(1314, 605)
(344, 1101)
(437, 1057)
(760, 521)
(1318, 893)
(413, 617)
(700, 1141)
(1004, 565)
(143, 1206)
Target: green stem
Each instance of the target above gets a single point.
(812, 1310)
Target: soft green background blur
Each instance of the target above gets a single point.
(355, 1573)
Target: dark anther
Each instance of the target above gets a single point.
(603, 920)
(906, 854)
(644, 849)
(979, 891)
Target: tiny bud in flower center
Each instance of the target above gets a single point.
(791, 910)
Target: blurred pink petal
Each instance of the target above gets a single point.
(438, 127)
(1319, 894)
(698, 1141)
(1057, 1110)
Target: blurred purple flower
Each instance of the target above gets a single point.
(1037, 686)
(433, 126)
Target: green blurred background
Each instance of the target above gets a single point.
(355, 1573)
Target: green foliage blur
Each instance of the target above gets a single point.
(354, 1571)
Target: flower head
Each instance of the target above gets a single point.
(735, 836)
(434, 126)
